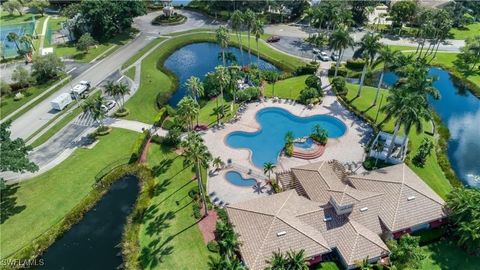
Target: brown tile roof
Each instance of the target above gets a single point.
(407, 200)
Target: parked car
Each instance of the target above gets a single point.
(323, 56)
(61, 102)
(80, 90)
(315, 51)
(334, 56)
(110, 104)
(273, 39)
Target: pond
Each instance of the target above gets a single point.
(460, 112)
(200, 58)
(94, 242)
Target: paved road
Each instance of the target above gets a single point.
(33, 120)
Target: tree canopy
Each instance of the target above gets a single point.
(14, 152)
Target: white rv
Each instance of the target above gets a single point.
(62, 101)
(80, 90)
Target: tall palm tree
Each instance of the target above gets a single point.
(222, 76)
(94, 106)
(196, 153)
(195, 87)
(278, 261)
(13, 37)
(249, 18)
(296, 260)
(118, 91)
(388, 57)
(27, 39)
(257, 31)
(268, 168)
(370, 45)
(188, 110)
(223, 38)
(339, 41)
(237, 25)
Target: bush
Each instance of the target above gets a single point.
(222, 214)
(310, 68)
(47, 67)
(193, 193)
(309, 96)
(5, 88)
(289, 150)
(18, 96)
(168, 124)
(169, 20)
(313, 81)
(196, 210)
(355, 64)
(342, 71)
(319, 134)
(213, 246)
(211, 85)
(248, 94)
(157, 139)
(161, 116)
(22, 77)
(339, 86)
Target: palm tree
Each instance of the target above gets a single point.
(364, 265)
(94, 106)
(388, 57)
(218, 163)
(268, 168)
(229, 245)
(249, 18)
(117, 91)
(289, 137)
(272, 77)
(339, 41)
(277, 261)
(223, 38)
(296, 260)
(188, 110)
(27, 40)
(370, 45)
(195, 89)
(196, 153)
(13, 37)
(222, 78)
(257, 31)
(237, 25)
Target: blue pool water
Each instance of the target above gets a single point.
(460, 112)
(237, 179)
(197, 60)
(307, 144)
(267, 143)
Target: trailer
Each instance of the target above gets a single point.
(59, 103)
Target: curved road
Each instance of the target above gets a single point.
(30, 122)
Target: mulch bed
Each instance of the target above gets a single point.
(207, 226)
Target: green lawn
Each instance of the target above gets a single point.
(431, 173)
(326, 266)
(469, 31)
(289, 88)
(169, 236)
(445, 254)
(154, 81)
(54, 24)
(130, 73)
(6, 18)
(8, 105)
(207, 115)
(43, 201)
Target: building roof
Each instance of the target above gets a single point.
(393, 198)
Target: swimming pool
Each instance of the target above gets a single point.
(267, 143)
(237, 179)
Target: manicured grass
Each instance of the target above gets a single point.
(154, 81)
(8, 105)
(207, 115)
(6, 18)
(141, 52)
(130, 73)
(445, 254)
(68, 50)
(169, 236)
(54, 24)
(431, 173)
(326, 266)
(470, 30)
(43, 201)
(289, 88)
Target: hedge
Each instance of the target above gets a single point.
(137, 148)
(355, 64)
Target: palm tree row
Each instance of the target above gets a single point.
(118, 91)
(292, 260)
(248, 21)
(26, 40)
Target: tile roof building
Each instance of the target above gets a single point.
(324, 211)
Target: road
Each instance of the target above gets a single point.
(30, 122)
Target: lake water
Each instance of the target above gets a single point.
(94, 242)
(460, 112)
(200, 58)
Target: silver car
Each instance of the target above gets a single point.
(323, 56)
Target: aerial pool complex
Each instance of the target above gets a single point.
(267, 143)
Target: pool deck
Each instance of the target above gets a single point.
(348, 149)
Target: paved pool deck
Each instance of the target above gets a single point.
(348, 149)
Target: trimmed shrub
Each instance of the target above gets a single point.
(169, 20)
(342, 71)
(193, 193)
(222, 214)
(309, 68)
(309, 96)
(212, 246)
(248, 94)
(355, 64)
(313, 81)
(196, 210)
(339, 86)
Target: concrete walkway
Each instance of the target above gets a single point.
(348, 149)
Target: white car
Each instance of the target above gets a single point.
(334, 56)
(110, 104)
(315, 51)
(323, 56)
